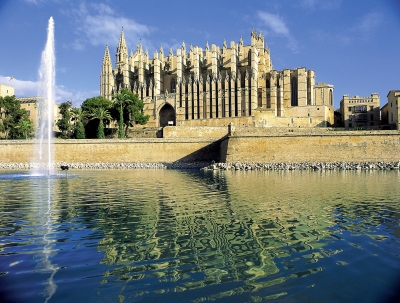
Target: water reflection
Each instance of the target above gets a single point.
(42, 191)
(229, 228)
(164, 236)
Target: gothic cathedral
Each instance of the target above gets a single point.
(216, 86)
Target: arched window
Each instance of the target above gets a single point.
(330, 97)
(172, 86)
(293, 86)
(268, 101)
(268, 83)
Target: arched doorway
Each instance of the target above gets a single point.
(167, 115)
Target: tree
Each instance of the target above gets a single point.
(26, 127)
(12, 117)
(64, 124)
(131, 108)
(102, 115)
(88, 107)
(77, 117)
(121, 100)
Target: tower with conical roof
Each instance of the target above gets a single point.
(122, 66)
(106, 77)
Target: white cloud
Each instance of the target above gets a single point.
(321, 4)
(99, 24)
(362, 30)
(23, 88)
(275, 25)
(368, 24)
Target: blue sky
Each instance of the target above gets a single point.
(352, 44)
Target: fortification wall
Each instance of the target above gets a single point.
(117, 151)
(313, 147)
(195, 131)
(244, 145)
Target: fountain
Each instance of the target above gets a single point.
(43, 161)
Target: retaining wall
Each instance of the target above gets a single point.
(268, 145)
(368, 146)
(117, 150)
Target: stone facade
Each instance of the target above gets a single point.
(218, 85)
(393, 109)
(360, 112)
(6, 90)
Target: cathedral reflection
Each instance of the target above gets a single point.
(197, 234)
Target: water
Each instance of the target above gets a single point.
(194, 236)
(44, 155)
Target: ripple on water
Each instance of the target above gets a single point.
(167, 235)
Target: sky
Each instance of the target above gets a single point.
(352, 44)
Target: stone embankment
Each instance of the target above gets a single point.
(214, 166)
(102, 165)
(305, 166)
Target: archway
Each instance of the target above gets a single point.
(167, 115)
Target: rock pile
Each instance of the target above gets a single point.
(215, 166)
(305, 166)
(103, 165)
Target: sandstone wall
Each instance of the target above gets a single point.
(116, 150)
(323, 147)
(195, 131)
(244, 145)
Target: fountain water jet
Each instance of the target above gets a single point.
(43, 161)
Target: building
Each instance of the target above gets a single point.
(6, 90)
(384, 114)
(216, 86)
(360, 112)
(30, 104)
(393, 108)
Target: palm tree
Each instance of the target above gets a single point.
(26, 127)
(103, 115)
(77, 116)
(121, 99)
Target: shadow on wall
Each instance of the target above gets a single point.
(209, 153)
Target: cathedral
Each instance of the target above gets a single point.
(216, 85)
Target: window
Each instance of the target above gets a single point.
(172, 86)
(349, 108)
(361, 117)
(350, 117)
(371, 107)
(360, 109)
(293, 85)
(350, 125)
(372, 117)
(268, 101)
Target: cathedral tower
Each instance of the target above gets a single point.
(106, 77)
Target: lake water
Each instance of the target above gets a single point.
(199, 236)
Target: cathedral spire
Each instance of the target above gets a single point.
(122, 50)
(106, 58)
